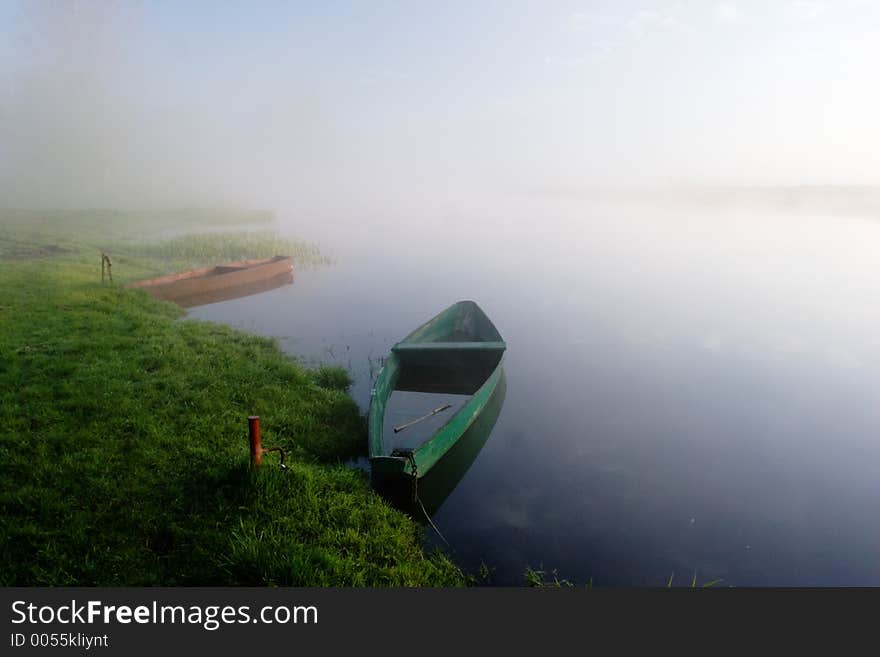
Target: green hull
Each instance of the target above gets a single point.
(458, 351)
(444, 477)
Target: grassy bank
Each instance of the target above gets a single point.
(123, 443)
(144, 244)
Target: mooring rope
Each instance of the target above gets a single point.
(416, 498)
(435, 526)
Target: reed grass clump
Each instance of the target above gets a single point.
(212, 248)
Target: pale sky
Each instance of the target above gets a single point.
(274, 103)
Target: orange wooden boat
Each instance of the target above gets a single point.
(189, 288)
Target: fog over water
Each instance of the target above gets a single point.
(687, 389)
(671, 211)
(411, 107)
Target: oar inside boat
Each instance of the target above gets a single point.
(420, 419)
(458, 353)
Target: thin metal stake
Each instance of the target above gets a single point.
(105, 260)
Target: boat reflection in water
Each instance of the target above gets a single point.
(234, 292)
(436, 486)
(198, 287)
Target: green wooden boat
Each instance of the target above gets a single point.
(458, 352)
(443, 478)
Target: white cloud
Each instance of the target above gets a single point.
(727, 12)
(606, 48)
(381, 76)
(564, 62)
(599, 26)
(806, 10)
(581, 21)
(644, 21)
(841, 359)
(714, 342)
(639, 24)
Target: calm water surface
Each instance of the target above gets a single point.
(686, 391)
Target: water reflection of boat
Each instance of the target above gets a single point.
(228, 281)
(236, 291)
(436, 486)
(458, 352)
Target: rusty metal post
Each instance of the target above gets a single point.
(256, 448)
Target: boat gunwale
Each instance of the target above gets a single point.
(478, 400)
(250, 265)
(379, 452)
(472, 345)
(413, 337)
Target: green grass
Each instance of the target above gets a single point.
(123, 443)
(211, 248)
(705, 585)
(143, 244)
(539, 578)
(98, 229)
